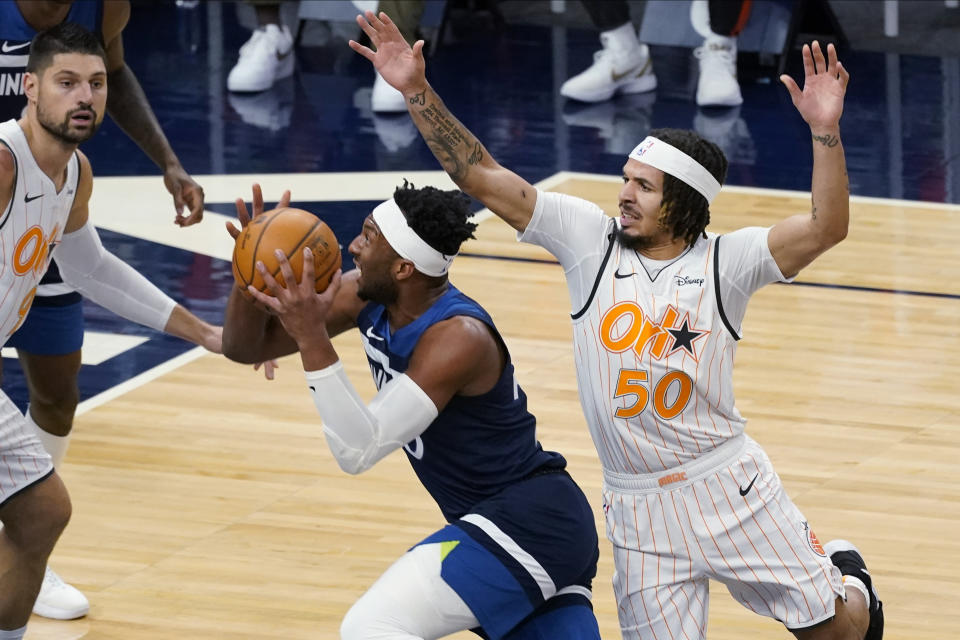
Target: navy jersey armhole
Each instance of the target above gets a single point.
(596, 283)
(716, 287)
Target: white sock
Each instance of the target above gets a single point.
(856, 583)
(56, 446)
(623, 37)
(13, 634)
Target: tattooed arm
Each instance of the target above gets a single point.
(798, 240)
(460, 153)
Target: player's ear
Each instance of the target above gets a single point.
(31, 81)
(403, 269)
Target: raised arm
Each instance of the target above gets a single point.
(460, 153)
(798, 240)
(128, 106)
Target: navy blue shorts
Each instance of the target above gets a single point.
(523, 560)
(50, 330)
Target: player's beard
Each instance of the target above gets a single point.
(382, 292)
(61, 131)
(635, 243)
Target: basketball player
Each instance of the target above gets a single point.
(48, 342)
(657, 310)
(520, 550)
(45, 186)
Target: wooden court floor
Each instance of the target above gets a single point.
(206, 504)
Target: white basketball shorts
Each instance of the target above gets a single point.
(725, 517)
(23, 460)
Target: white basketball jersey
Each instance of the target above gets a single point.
(654, 346)
(30, 226)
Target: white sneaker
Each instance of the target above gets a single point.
(386, 99)
(267, 56)
(614, 70)
(58, 600)
(718, 86)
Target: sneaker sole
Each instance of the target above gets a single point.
(638, 85)
(59, 614)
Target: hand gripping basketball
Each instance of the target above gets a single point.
(288, 231)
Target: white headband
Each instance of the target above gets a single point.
(669, 159)
(393, 225)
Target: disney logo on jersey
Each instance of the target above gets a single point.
(685, 280)
(625, 326)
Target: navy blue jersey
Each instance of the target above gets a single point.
(478, 445)
(15, 37)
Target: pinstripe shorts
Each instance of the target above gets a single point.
(726, 517)
(23, 460)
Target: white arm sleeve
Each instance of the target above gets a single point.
(358, 435)
(746, 264)
(575, 231)
(113, 284)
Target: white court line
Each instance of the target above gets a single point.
(140, 380)
(544, 185)
(141, 207)
(98, 346)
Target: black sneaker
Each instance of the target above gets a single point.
(846, 557)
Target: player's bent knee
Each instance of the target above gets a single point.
(410, 600)
(34, 520)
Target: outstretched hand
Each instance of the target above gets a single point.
(401, 65)
(244, 216)
(820, 102)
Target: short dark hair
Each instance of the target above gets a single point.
(684, 210)
(66, 37)
(439, 217)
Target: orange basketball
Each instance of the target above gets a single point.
(289, 230)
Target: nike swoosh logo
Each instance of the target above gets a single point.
(6, 48)
(616, 77)
(743, 491)
(281, 56)
(617, 274)
(28, 198)
(372, 335)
